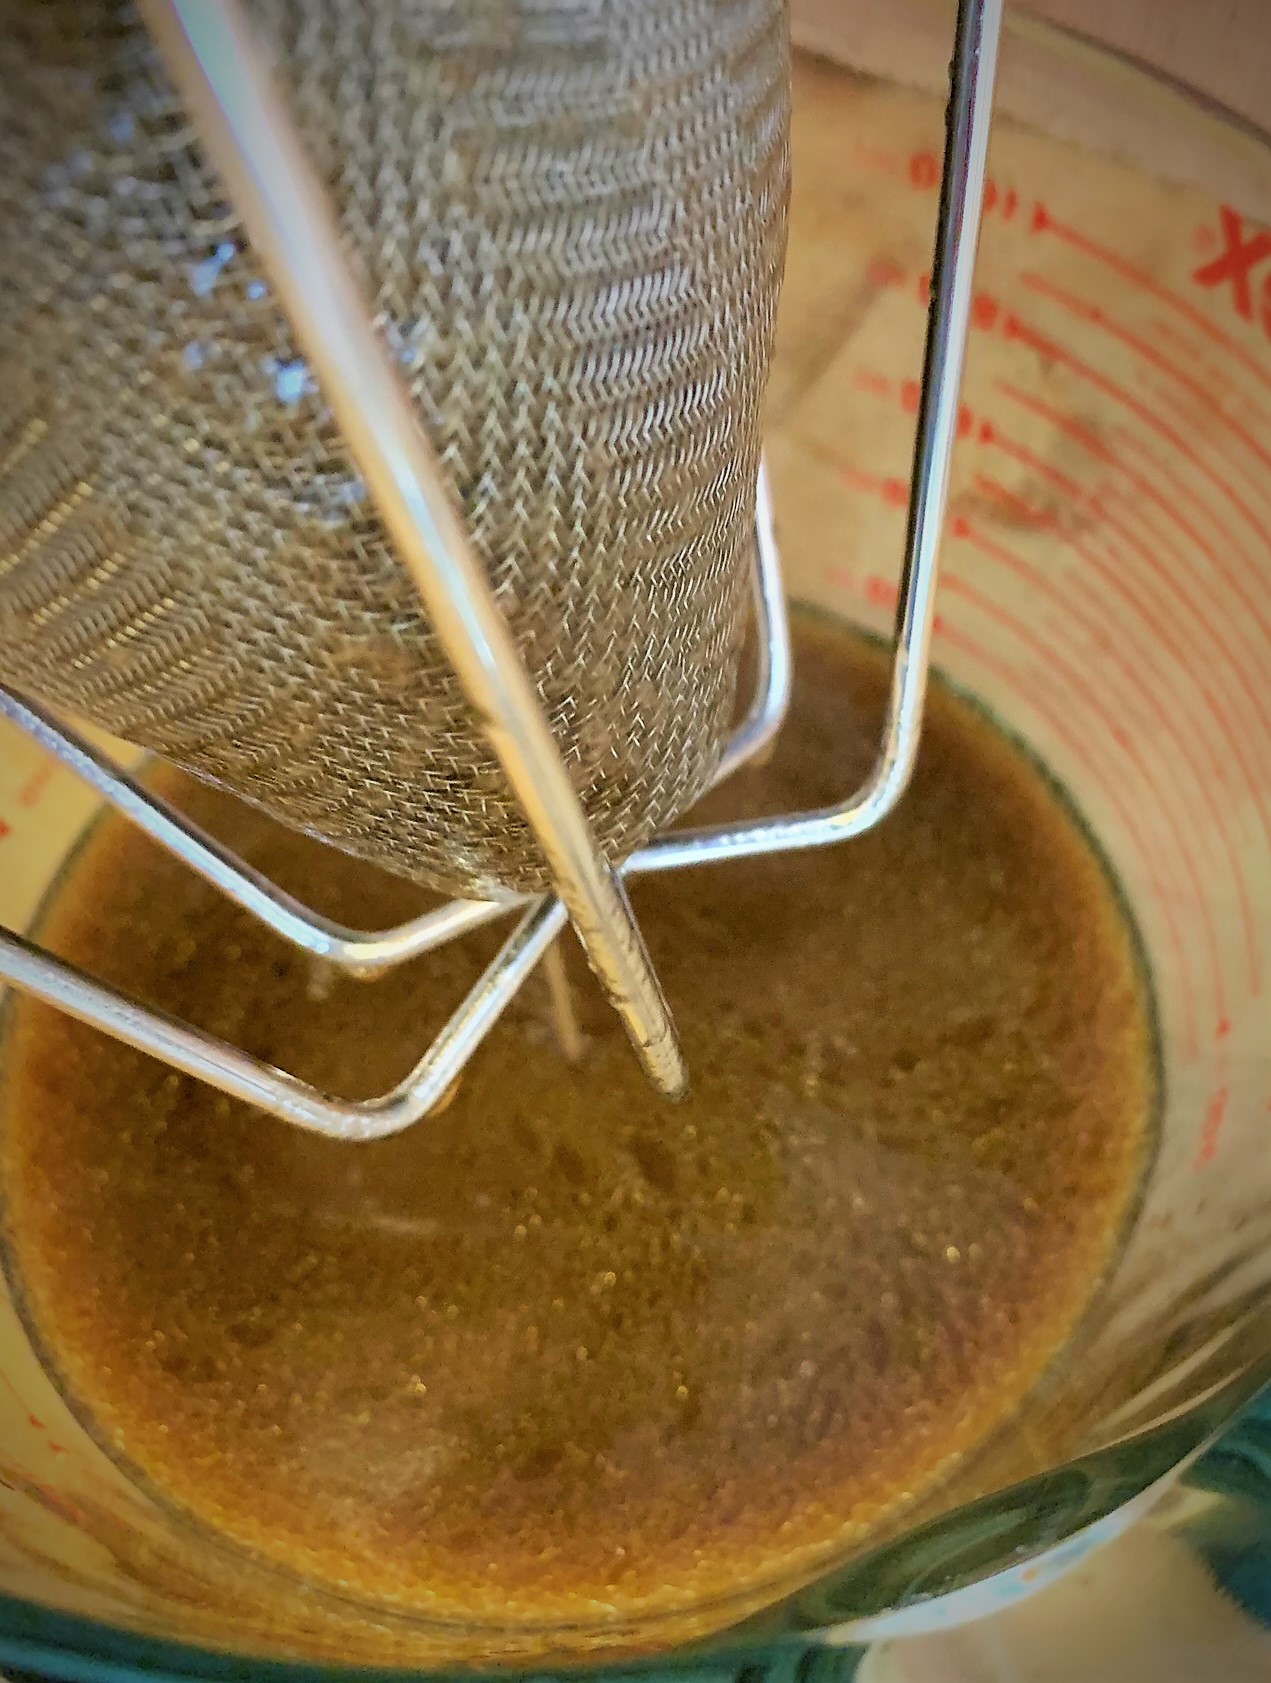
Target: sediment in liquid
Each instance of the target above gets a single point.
(565, 1346)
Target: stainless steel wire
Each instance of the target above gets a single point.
(475, 640)
(568, 218)
(952, 276)
(242, 1076)
(219, 67)
(368, 954)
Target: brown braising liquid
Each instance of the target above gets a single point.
(565, 1347)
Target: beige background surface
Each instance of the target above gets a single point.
(1222, 48)
(1217, 49)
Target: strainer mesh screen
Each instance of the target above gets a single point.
(570, 215)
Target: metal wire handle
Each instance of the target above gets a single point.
(242, 1076)
(211, 56)
(362, 953)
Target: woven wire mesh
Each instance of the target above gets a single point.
(570, 216)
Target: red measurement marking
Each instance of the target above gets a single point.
(985, 309)
(875, 158)
(893, 492)
(1059, 723)
(32, 1420)
(1215, 1115)
(1096, 629)
(6, 829)
(36, 784)
(1098, 317)
(1035, 464)
(1242, 253)
(1037, 517)
(996, 201)
(880, 592)
(909, 392)
(1014, 328)
(1169, 509)
(924, 171)
(883, 594)
(1156, 289)
(924, 175)
(1251, 605)
(1076, 684)
(1099, 509)
(1218, 379)
(1182, 410)
(1165, 720)
(1022, 512)
(871, 381)
(1114, 578)
(884, 272)
(1072, 612)
(911, 396)
(44, 1497)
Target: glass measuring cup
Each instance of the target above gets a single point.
(1101, 594)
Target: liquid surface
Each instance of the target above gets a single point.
(567, 1349)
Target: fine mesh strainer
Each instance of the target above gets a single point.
(513, 262)
(570, 223)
